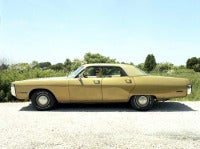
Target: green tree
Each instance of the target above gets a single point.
(97, 58)
(141, 66)
(3, 67)
(57, 67)
(44, 65)
(75, 64)
(20, 67)
(197, 67)
(68, 65)
(191, 62)
(3, 64)
(150, 63)
(34, 64)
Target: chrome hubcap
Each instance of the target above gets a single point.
(43, 100)
(142, 100)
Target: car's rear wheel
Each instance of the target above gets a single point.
(43, 100)
(142, 102)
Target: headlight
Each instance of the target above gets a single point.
(13, 90)
(189, 89)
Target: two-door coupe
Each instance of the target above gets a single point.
(101, 83)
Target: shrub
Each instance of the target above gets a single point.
(164, 67)
(13, 74)
(141, 66)
(197, 67)
(2, 95)
(150, 63)
(193, 63)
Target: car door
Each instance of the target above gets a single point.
(87, 88)
(116, 85)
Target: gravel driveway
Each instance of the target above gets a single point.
(169, 125)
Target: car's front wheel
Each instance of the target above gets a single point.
(142, 102)
(43, 100)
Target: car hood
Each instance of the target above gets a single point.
(39, 81)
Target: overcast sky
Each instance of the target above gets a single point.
(128, 30)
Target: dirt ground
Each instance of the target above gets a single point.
(168, 125)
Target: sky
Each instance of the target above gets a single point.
(127, 30)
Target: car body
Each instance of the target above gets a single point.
(101, 83)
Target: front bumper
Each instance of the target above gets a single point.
(13, 91)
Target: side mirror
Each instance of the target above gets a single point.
(80, 76)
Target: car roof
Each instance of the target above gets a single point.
(105, 64)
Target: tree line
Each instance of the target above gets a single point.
(68, 65)
(150, 64)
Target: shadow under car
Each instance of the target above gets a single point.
(169, 106)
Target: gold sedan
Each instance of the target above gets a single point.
(101, 83)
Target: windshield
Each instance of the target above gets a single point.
(76, 72)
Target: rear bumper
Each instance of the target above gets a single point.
(189, 89)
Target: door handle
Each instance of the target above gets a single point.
(96, 81)
(128, 81)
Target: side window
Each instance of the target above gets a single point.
(113, 72)
(93, 72)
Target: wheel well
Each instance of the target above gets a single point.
(35, 90)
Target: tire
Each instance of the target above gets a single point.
(43, 100)
(142, 102)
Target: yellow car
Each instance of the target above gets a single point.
(94, 83)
